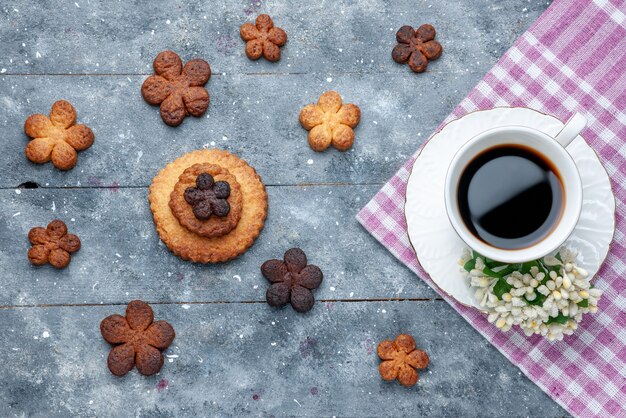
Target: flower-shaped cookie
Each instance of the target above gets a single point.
(330, 122)
(57, 138)
(208, 197)
(292, 280)
(401, 359)
(263, 39)
(179, 90)
(182, 203)
(138, 340)
(416, 47)
(52, 245)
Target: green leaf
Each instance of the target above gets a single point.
(583, 303)
(558, 257)
(469, 265)
(508, 270)
(501, 287)
(542, 269)
(538, 301)
(561, 319)
(488, 261)
(488, 272)
(556, 269)
(527, 266)
(493, 264)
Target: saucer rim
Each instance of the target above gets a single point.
(434, 134)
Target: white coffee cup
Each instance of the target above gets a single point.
(553, 149)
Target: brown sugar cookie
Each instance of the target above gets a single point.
(401, 359)
(263, 39)
(52, 245)
(191, 246)
(330, 122)
(138, 340)
(178, 90)
(57, 138)
(213, 225)
(416, 47)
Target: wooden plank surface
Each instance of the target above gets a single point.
(108, 37)
(240, 359)
(233, 354)
(122, 257)
(254, 116)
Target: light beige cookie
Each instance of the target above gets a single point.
(330, 122)
(191, 246)
(215, 226)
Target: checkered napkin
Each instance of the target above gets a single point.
(573, 59)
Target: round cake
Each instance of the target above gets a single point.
(208, 206)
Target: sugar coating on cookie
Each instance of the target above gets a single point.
(190, 245)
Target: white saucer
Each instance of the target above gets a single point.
(436, 244)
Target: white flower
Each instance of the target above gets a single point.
(551, 261)
(567, 282)
(543, 289)
(560, 294)
(480, 264)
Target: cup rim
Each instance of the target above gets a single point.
(555, 238)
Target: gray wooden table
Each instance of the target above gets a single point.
(233, 354)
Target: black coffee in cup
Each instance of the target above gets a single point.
(510, 196)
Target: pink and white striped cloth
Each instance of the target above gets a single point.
(572, 59)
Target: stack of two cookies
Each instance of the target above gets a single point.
(208, 205)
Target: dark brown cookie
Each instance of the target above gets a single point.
(208, 197)
(401, 360)
(138, 340)
(292, 280)
(52, 245)
(263, 39)
(178, 90)
(416, 47)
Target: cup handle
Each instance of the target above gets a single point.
(572, 128)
